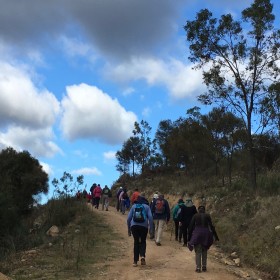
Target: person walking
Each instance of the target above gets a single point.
(202, 234)
(139, 219)
(97, 195)
(94, 185)
(118, 198)
(152, 232)
(105, 198)
(188, 210)
(161, 216)
(134, 195)
(176, 215)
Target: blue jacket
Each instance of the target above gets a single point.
(149, 221)
(163, 216)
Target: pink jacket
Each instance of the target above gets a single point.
(97, 192)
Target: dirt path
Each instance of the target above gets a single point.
(169, 261)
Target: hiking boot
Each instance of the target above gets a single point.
(198, 270)
(158, 244)
(134, 264)
(180, 240)
(176, 238)
(185, 245)
(204, 269)
(143, 261)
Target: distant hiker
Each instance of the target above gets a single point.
(97, 195)
(89, 197)
(105, 197)
(202, 234)
(118, 198)
(78, 195)
(124, 200)
(161, 216)
(84, 193)
(92, 195)
(139, 219)
(152, 233)
(134, 195)
(175, 215)
(187, 212)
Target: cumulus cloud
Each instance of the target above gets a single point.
(87, 171)
(47, 168)
(90, 113)
(20, 100)
(38, 142)
(180, 80)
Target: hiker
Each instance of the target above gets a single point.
(161, 216)
(187, 212)
(92, 195)
(105, 198)
(78, 195)
(118, 198)
(134, 195)
(152, 233)
(124, 201)
(139, 219)
(202, 234)
(97, 195)
(84, 193)
(175, 215)
(89, 197)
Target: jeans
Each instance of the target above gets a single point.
(200, 256)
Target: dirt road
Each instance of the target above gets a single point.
(169, 261)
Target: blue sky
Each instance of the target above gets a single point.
(76, 75)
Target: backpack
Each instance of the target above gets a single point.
(106, 191)
(125, 196)
(177, 214)
(139, 214)
(160, 206)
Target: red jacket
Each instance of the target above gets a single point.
(97, 191)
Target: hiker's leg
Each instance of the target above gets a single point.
(143, 236)
(176, 223)
(106, 202)
(103, 201)
(156, 222)
(198, 253)
(161, 224)
(204, 257)
(185, 233)
(136, 236)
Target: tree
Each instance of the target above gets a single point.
(239, 64)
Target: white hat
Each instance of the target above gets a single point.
(155, 195)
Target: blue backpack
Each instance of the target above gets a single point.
(139, 213)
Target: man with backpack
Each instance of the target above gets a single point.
(176, 215)
(187, 212)
(139, 219)
(97, 192)
(161, 215)
(105, 197)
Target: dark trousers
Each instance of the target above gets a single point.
(178, 231)
(139, 234)
(97, 200)
(185, 231)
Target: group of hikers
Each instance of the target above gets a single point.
(192, 226)
(97, 194)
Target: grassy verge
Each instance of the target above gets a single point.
(84, 243)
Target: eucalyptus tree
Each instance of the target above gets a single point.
(142, 132)
(162, 138)
(240, 61)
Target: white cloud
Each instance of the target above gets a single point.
(37, 142)
(20, 100)
(90, 113)
(180, 80)
(128, 91)
(47, 168)
(87, 171)
(109, 155)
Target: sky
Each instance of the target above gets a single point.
(76, 75)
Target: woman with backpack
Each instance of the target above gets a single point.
(139, 219)
(176, 215)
